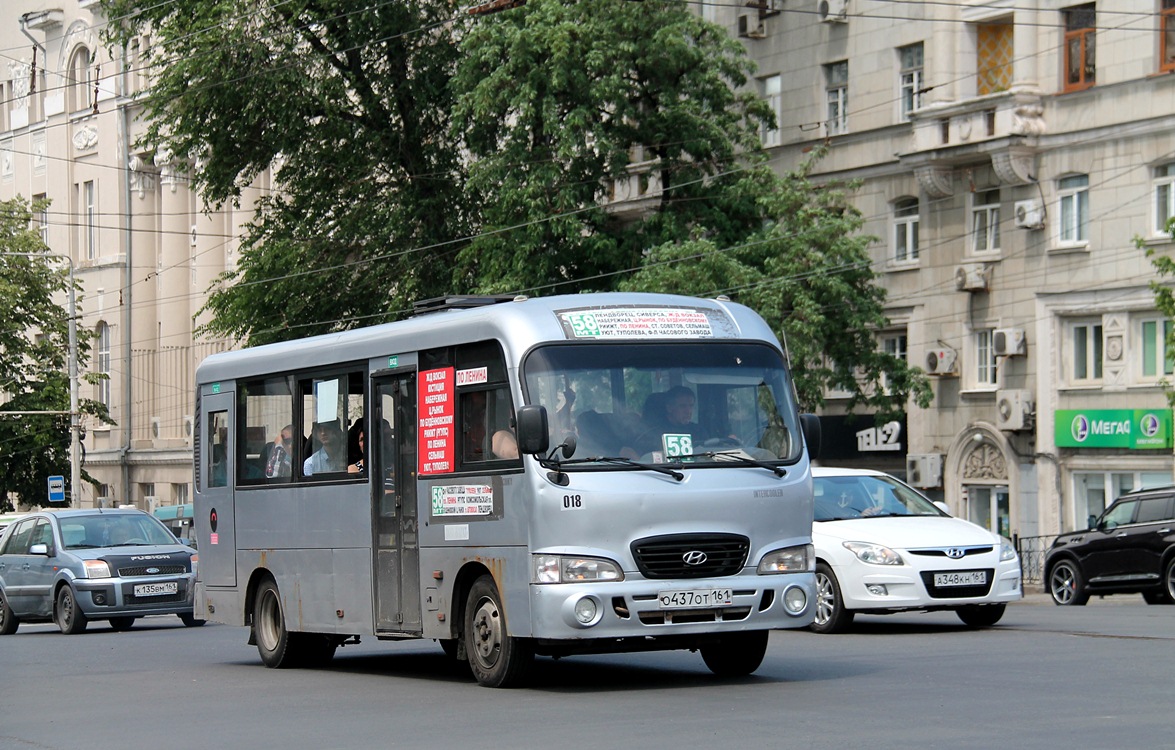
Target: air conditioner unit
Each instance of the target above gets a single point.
(102, 502)
(1029, 214)
(750, 27)
(151, 502)
(924, 470)
(941, 361)
(971, 277)
(1015, 409)
(1009, 342)
(766, 7)
(833, 11)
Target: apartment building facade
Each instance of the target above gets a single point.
(1008, 154)
(142, 248)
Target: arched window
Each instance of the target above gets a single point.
(79, 82)
(102, 333)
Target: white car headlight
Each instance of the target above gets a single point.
(874, 554)
(801, 559)
(97, 569)
(1007, 551)
(561, 569)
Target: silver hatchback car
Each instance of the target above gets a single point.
(73, 566)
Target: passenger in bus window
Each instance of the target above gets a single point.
(357, 467)
(504, 444)
(331, 456)
(278, 464)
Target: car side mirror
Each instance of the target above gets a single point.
(39, 549)
(942, 506)
(1091, 522)
(810, 424)
(533, 433)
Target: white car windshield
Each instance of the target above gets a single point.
(841, 497)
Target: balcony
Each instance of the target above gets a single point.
(637, 194)
(1001, 128)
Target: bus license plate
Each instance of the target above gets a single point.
(156, 589)
(967, 578)
(694, 598)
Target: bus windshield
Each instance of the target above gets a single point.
(705, 402)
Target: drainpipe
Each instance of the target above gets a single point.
(128, 295)
(23, 22)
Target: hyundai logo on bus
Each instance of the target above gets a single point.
(694, 557)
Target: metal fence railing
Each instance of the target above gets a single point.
(1032, 550)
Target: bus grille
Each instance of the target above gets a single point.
(665, 556)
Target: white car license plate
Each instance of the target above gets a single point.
(694, 598)
(156, 589)
(965, 578)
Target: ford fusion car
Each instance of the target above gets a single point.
(882, 547)
(73, 566)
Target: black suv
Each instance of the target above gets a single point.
(1129, 550)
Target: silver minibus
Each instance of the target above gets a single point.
(510, 477)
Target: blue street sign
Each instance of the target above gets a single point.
(57, 489)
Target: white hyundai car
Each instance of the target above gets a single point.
(883, 547)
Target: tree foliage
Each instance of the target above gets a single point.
(34, 359)
(418, 151)
(1164, 292)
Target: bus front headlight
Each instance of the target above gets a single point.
(565, 569)
(799, 559)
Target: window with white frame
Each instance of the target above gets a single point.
(905, 230)
(79, 80)
(1085, 351)
(985, 359)
(910, 81)
(985, 222)
(103, 362)
(1164, 197)
(87, 220)
(1156, 361)
(893, 344)
(836, 77)
(773, 93)
(1073, 200)
(42, 218)
(1094, 491)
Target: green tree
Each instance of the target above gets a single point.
(1164, 264)
(34, 359)
(349, 105)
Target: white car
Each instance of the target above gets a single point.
(883, 547)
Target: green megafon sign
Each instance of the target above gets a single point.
(1134, 429)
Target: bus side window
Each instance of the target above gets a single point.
(218, 449)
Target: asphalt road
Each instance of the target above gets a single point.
(1093, 677)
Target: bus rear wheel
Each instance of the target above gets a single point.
(495, 658)
(736, 654)
(274, 642)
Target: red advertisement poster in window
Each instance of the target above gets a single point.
(437, 433)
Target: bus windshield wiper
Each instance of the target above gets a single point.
(741, 458)
(571, 464)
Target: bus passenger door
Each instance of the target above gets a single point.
(397, 558)
(214, 516)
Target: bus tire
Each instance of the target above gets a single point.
(190, 620)
(275, 643)
(495, 658)
(120, 624)
(736, 654)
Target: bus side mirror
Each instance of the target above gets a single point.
(810, 423)
(533, 434)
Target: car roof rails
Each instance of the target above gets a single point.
(461, 302)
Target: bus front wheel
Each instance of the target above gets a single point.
(737, 654)
(496, 659)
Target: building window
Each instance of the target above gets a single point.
(985, 361)
(85, 198)
(42, 218)
(103, 336)
(993, 65)
(1157, 362)
(985, 222)
(1080, 57)
(905, 230)
(836, 76)
(893, 344)
(773, 93)
(910, 59)
(1094, 491)
(1085, 338)
(79, 80)
(1073, 196)
(1164, 195)
(1167, 36)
